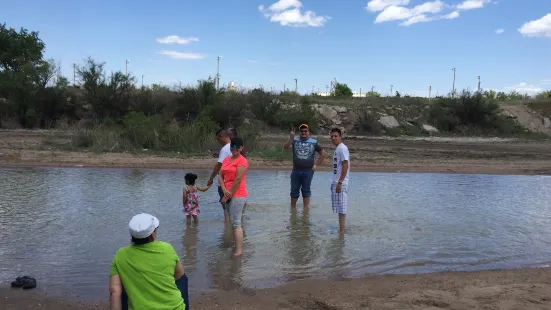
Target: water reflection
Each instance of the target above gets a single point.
(301, 248)
(224, 270)
(189, 241)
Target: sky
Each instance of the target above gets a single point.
(409, 44)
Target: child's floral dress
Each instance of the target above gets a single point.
(191, 207)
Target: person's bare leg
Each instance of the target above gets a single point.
(238, 236)
(226, 216)
(342, 222)
(294, 202)
(196, 219)
(188, 220)
(306, 201)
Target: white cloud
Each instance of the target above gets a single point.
(500, 31)
(180, 55)
(380, 5)
(393, 12)
(452, 15)
(177, 40)
(423, 18)
(545, 82)
(252, 61)
(289, 13)
(524, 88)
(472, 4)
(396, 10)
(537, 28)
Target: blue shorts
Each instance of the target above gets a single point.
(221, 194)
(300, 182)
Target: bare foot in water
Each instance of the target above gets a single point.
(235, 254)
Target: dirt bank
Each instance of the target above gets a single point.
(475, 155)
(505, 289)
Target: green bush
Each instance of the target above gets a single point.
(470, 113)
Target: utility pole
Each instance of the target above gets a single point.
(218, 72)
(430, 90)
(360, 92)
(284, 89)
(453, 85)
(479, 83)
(74, 75)
(372, 88)
(126, 67)
(296, 86)
(391, 87)
(312, 89)
(142, 81)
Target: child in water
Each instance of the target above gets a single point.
(190, 198)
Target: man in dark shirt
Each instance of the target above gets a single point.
(304, 163)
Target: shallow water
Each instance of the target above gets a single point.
(63, 226)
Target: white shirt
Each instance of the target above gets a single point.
(341, 153)
(224, 152)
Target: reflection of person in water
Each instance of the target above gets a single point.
(190, 247)
(225, 274)
(302, 250)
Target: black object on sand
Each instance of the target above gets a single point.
(25, 282)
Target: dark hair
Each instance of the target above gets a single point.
(337, 130)
(142, 241)
(236, 142)
(232, 132)
(190, 178)
(221, 133)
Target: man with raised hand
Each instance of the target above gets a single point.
(304, 163)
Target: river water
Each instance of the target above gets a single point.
(63, 226)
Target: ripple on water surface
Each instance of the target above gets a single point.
(63, 226)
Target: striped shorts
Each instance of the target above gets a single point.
(339, 200)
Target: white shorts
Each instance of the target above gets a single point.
(339, 200)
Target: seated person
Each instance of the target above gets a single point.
(147, 269)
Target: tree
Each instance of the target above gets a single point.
(544, 95)
(341, 90)
(23, 73)
(372, 94)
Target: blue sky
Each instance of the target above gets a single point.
(409, 44)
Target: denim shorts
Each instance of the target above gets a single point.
(235, 210)
(300, 182)
(221, 194)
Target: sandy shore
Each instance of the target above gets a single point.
(436, 155)
(501, 289)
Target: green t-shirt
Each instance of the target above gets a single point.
(147, 275)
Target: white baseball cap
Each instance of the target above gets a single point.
(143, 225)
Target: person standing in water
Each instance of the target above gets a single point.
(233, 180)
(304, 163)
(190, 199)
(339, 183)
(223, 137)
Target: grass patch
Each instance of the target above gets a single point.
(273, 153)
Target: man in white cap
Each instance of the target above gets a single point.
(147, 270)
